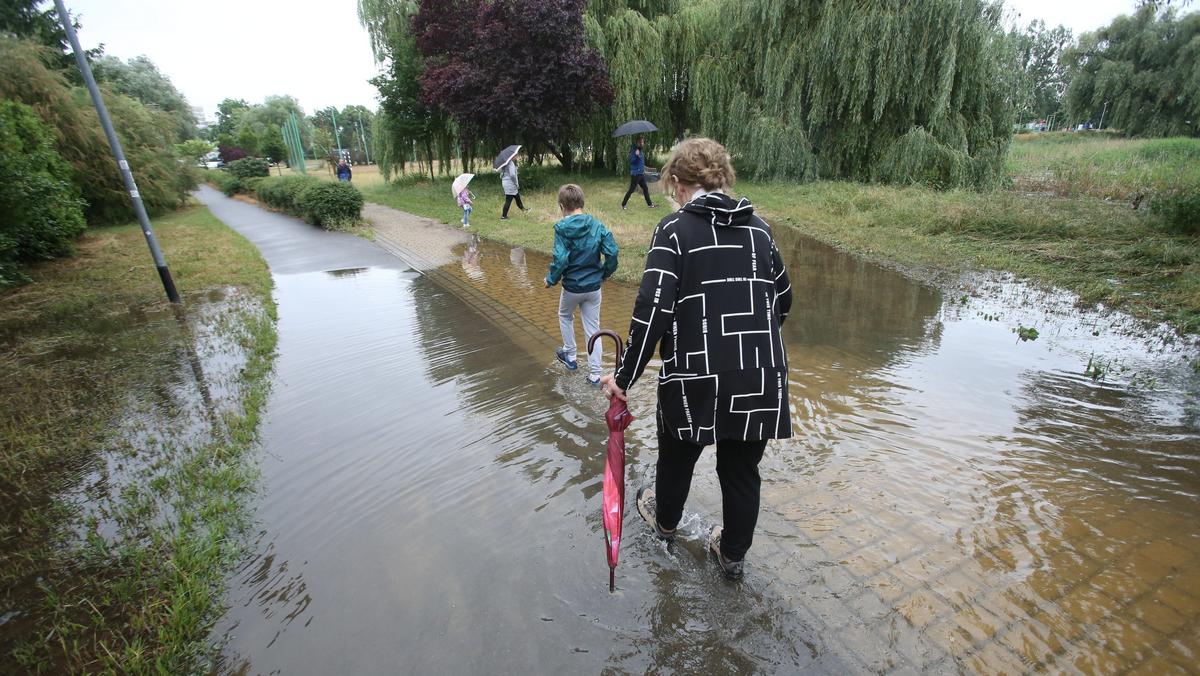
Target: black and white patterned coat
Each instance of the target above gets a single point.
(713, 298)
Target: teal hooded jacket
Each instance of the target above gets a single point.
(579, 243)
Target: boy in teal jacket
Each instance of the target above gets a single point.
(580, 242)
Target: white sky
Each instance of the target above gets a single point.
(241, 49)
(316, 50)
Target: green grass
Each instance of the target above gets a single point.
(89, 346)
(1104, 251)
(1103, 165)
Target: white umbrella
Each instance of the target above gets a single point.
(460, 183)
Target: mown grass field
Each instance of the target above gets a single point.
(88, 336)
(1068, 220)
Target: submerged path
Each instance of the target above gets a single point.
(953, 500)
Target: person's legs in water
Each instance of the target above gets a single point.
(567, 302)
(633, 183)
(673, 479)
(589, 314)
(508, 199)
(737, 469)
(641, 179)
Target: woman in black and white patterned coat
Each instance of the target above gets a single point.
(712, 299)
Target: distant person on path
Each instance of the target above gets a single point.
(637, 172)
(580, 241)
(464, 201)
(714, 296)
(512, 188)
(343, 171)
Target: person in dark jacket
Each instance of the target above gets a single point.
(637, 172)
(580, 242)
(713, 297)
(343, 171)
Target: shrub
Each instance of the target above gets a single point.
(249, 167)
(332, 206)
(223, 181)
(40, 210)
(281, 192)
(250, 185)
(1179, 209)
(146, 134)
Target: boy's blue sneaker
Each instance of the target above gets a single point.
(561, 354)
(594, 381)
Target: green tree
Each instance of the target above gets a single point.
(147, 135)
(194, 150)
(229, 116)
(1140, 74)
(37, 21)
(40, 210)
(1043, 71)
(404, 121)
(140, 79)
(868, 90)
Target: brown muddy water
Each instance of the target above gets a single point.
(954, 500)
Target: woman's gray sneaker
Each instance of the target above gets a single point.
(645, 506)
(732, 569)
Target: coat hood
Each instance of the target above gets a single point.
(574, 227)
(720, 209)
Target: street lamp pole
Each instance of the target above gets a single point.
(164, 273)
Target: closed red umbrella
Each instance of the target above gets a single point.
(618, 418)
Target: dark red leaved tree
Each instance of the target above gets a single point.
(511, 71)
(230, 153)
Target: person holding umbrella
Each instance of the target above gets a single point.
(714, 296)
(637, 172)
(506, 162)
(463, 196)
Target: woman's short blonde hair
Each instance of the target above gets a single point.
(699, 161)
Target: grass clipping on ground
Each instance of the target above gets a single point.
(123, 496)
(1070, 220)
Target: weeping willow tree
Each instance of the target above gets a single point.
(1141, 74)
(870, 90)
(649, 47)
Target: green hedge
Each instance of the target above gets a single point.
(249, 167)
(223, 181)
(282, 193)
(333, 206)
(40, 209)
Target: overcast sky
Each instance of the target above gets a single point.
(317, 51)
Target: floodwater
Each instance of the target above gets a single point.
(954, 500)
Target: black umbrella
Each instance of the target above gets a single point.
(634, 127)
(505, 156)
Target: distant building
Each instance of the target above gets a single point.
(201, 121)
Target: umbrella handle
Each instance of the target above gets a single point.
(617, 339)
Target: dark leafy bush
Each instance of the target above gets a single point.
(281, 192)
(40, 210)
(249, 167)
(1179, 210)
(333, 206)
